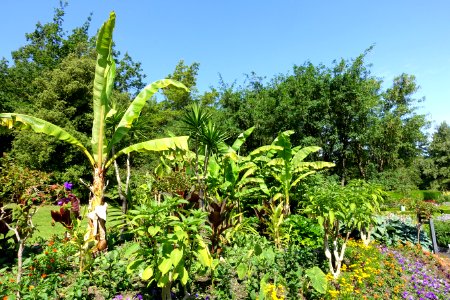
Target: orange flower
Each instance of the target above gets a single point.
(43, 275)
(55, 250)
(5, 298)
(51, 243)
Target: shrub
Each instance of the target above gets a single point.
(442, 229)
(304, 231)
(431, 195)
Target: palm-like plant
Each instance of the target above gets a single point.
(102, 155)
(208, 140)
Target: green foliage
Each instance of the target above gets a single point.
(284, 165)
(304, 231)
(16, 180)
(344, 209)
(436, 167)
(442, 229)
(431, 195)
(169, 244)
(400, 179)
(252, 263)
(187, 75)
(340, 108)
(393, 229)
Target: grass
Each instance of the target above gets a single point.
(43, 221)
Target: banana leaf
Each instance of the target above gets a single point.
(37, 125)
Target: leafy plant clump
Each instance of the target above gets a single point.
(392, 229)
(442, 229)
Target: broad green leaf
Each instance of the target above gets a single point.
(231, 171)
(203, 254)
(276, 162)
(318, 279)
(316, 165)
(176, 256)
(134, 266)
(148, 273)
(263, 149)
(132, 249)
(331, 216)
(277, 196)
(103, 74)
(241, 271)
(241, 139)
(303, 153)
(153, 230)
(299, 178)
(184, 276)
(164, 144)
(165, 265)
(41, 126)
(163, 280)
(269, 255)
(247, 173)
(245, 180)
(258, 249)
(136, 106)
(320, 220)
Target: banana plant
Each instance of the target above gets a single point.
(232, 176)
(102, 155)
(286, 165)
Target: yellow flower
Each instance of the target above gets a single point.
(31, 287)
(333, 294)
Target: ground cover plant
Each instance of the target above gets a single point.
(210, 217)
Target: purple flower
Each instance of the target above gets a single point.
(138, 296)
(63, 201)
(117, 297)
(68, 185)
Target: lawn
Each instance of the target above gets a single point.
(45, 229)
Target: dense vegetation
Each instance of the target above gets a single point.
(279, 182)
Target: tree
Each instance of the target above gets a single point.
(187, 75)
(101, 156)
(438, 160)
(63, 97)
(396, 138)
(353, 97)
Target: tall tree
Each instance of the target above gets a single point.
(437, 168)
(186, 74)
(353, 97)
(396, 138)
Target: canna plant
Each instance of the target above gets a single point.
(103, 155)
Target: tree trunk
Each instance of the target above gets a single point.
(97, 211)
(359, 152)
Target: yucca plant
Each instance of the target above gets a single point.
(102, 155)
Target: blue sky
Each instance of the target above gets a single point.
(236, 37)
